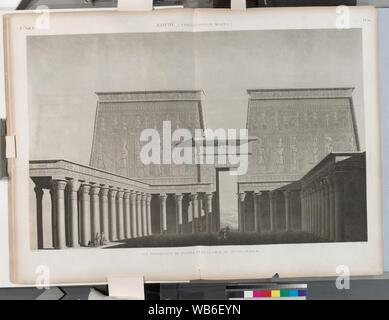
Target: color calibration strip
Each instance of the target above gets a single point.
(286, 294)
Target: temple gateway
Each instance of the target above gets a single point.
(306, 175)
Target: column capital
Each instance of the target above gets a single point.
(143, 197)
(119, 194)
(149, 197)
(59, 184)
(178, 196)
(257, 193)
(194, 196)
(242, 196)
(73, 185)
(209, 196)
(112, 192)
(104, 191)
(162, 196)
(94, 190)
(85, 188)
(133, 195)
(127, 194)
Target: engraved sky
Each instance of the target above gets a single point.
(66, 71)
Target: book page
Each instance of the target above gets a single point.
(188, 144)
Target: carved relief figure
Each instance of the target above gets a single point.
(294, 150)
(260, 154)
(123, 161)
(315, 151)
(280, 160)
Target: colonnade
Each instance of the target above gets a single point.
(88, 214)
(258, 197)
(322, 207)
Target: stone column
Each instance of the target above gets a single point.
(59, 212)
(73, 187)
(112, 214)
(178, 198)
(95, 211)
(208, 214)
(338, 206)
(321, 209)
(331, 209)
(326, 209)
(133, 214)
(271, 209)
(316, 209)
(287, 209)
(144, 215)
(139, 213)
(104, 211)
(85, 215)
(127, 214)
(163, 218)
(149, 197)
(195, 213)
(303, 207)
(242, 197)
(313, 210)
(257, 211)
(120, 216)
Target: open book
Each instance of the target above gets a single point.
(193, 144)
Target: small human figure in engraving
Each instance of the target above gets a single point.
(124, 155)
(97, 241)
(280, 160)
(260, 153)
(222, 234)
(227, 232)
(102, 239)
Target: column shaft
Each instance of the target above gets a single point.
(144, 215)
(178, 198)
(163, 218)
(149, 197)
(120, 215)
(287, 217)
(59, 212)
(73, 187)
(85, 215)
(271, 211)
(195, 213)
(209, 214)
(139, 213)
(95, 214)
(133, 215)
(104, 213)
(127, 215)
(242, 197)
(112, 215)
